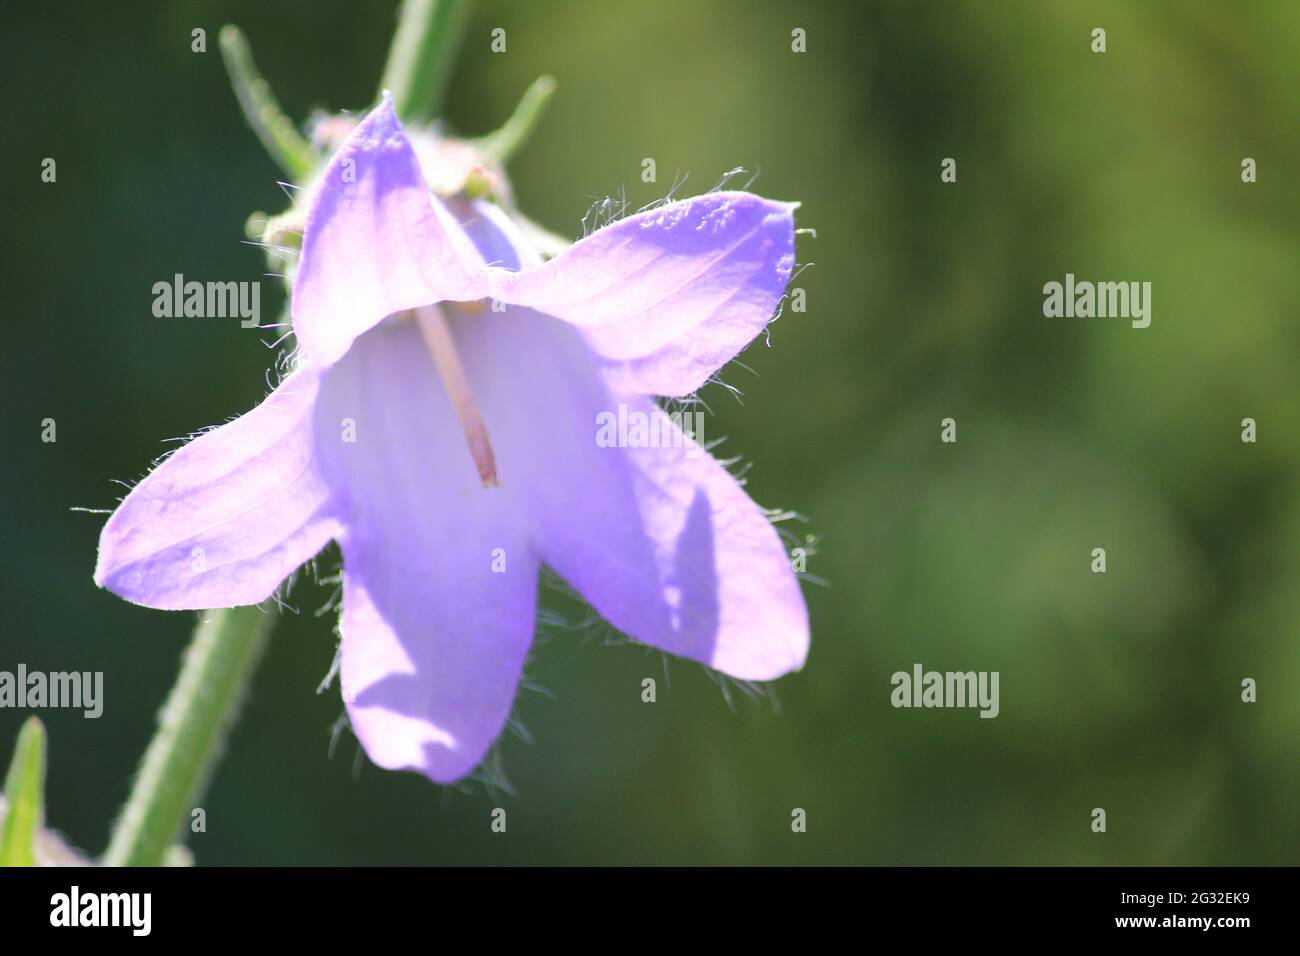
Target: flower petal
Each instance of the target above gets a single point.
(439, 595)
(226, 518)
(718, 586)
(662, 541)
(668, 296)
(376, 241)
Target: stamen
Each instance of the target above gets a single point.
(477, 307)
(437, 336)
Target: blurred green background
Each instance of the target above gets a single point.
(1119, 691)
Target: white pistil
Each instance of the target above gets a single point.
(437, 336)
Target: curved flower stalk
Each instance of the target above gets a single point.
(440, 423)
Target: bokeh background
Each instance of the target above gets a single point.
(1119, 691)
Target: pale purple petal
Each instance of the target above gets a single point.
(671, 295)
(225, 519)
(375, 242)
(669, 548)
(439, 596)
(662, 541)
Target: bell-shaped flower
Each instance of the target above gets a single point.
(442, 423)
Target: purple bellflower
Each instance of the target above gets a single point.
(401, 365)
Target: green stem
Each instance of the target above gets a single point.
(280, 138)
(192, 728)
(422, 54)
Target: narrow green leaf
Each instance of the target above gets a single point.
(24, 797)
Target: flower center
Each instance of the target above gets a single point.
(442, 346)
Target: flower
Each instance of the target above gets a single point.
(450, 448)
